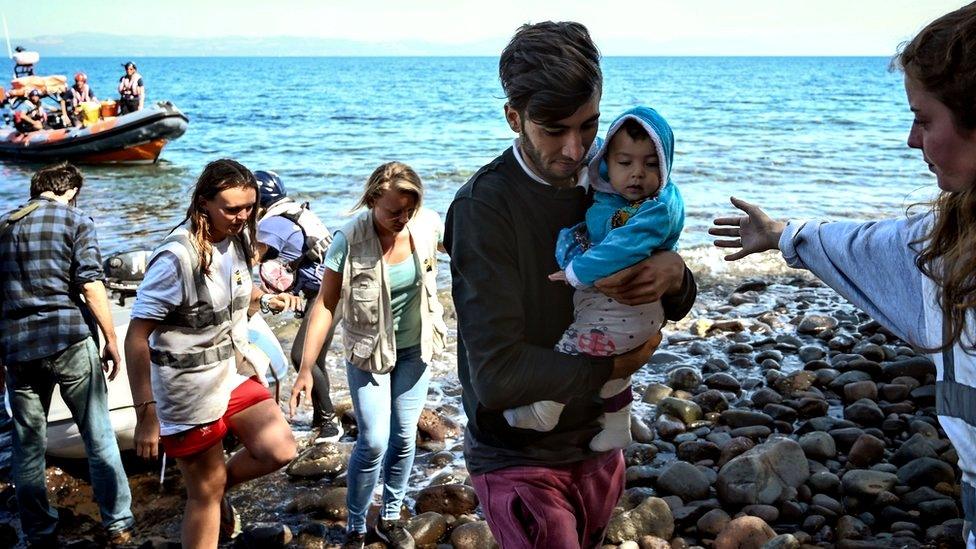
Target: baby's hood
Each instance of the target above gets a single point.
(659, 130)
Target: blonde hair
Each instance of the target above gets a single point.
(218, 176)
(942, 59)
(391, 175)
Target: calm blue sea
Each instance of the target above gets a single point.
(803, 136)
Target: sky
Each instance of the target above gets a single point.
(619, 27)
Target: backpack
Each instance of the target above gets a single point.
(317, 237)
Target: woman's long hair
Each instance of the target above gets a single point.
(942, 59)
(391, 175)
(218, 176)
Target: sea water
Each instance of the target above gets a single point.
(803, 137)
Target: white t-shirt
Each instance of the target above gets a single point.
(161, 292)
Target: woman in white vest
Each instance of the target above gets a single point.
(916, 274)
(383, 265)
(190, 367)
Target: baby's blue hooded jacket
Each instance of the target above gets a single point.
(618, 233)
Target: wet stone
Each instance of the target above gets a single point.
(473, 535)
(867, 449)
(713, 522)
(639, 454)
(668, 427)
(811, 407)
(744, 532)
(766, 512)
(780, 412)
(925, 471)
(739, 349)
(745, 418)
(652, 517)
(684, 378)
(452, 499)
(265, 534)
(818, 446)
(917, 367)
(782, 541)
(860, 389)
(427, 528)
(864, 412)
(865, 482)
(766, 396)
(322, 460)
(815, 324)
(655, 392)
(684, 480)
(685, 410)
(824, 482)
(698, 450)
(711, 400)
(893, 392)
(723, 382)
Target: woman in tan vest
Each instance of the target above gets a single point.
(383, 265)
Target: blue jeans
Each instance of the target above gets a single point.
(78, 372)
(387, 408)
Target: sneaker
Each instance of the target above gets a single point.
(230, 520)
(355, 540)
(394, 533)
(120, 538)
(327, 431)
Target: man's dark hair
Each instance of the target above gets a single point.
(58, 179)
(548, 70)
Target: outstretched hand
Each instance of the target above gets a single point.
(753, 233)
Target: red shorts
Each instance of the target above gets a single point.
(200, 438)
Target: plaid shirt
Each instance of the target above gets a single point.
(45, 259)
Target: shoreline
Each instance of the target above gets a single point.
(860, 462)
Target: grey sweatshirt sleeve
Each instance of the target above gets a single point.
(871, 264)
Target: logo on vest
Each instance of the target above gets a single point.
(238, 277)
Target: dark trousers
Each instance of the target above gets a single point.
(128, 105)
(321, 401)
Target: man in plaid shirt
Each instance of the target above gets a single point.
(49, 258)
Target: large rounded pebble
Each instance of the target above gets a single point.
(711, 400)
(818, 446)
(815, 324)
(683, 480)
(925, 471)
(744, 532)
(766, 396)
(745, 418)
(860, 389)
(427, 528)
(694, 451)
(864, 412)
(685, 410)
(713, 522)
(668, 427)
(655, 392)
(473, 535)
(723, 382)
(684, 378)
(867, 450)
(865, 482)
(766, 512)
(824, 482)
(652, 517)
(449, 499)
(918, 367)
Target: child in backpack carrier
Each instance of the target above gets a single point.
(636, 211)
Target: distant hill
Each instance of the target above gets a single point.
(110, 45)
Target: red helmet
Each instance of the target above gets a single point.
(80, 76)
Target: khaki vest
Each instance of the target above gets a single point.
(367, 316)
(197, 347)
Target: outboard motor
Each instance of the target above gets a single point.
(24, 62)
(124, 271)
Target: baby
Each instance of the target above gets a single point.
(636, 210)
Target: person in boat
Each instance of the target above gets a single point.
(49, 259)
(132, 90)
(383, 264)
(191, 368)
(80, 93)
(35, 117)
(291, 245)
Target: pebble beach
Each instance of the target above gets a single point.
(775, 415)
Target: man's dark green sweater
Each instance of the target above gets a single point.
(501, 235)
